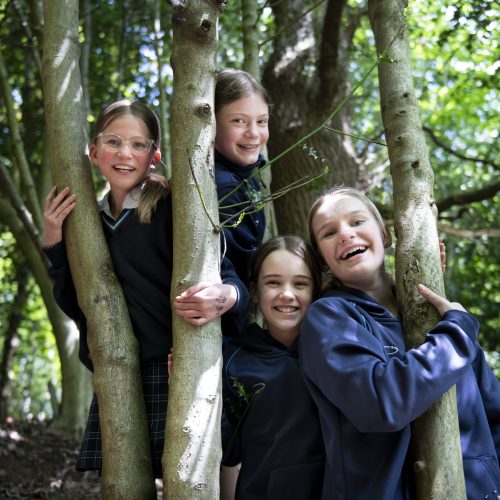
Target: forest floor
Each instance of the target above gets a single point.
(37, 463)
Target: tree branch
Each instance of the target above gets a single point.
(467, 197)
(462, 156)
(9, 189)
(491, 232)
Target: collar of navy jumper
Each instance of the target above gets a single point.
(129, 205)
(242, 171)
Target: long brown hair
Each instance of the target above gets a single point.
(233, 84)
(155, 187)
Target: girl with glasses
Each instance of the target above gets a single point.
(136, 216)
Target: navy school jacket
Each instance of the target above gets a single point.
(270, 423)
(242, 190)
(369, 388)
(142, 260)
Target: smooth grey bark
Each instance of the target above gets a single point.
(127, 470)
(192, 453)
(436, 453)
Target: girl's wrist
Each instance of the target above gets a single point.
(48, 246)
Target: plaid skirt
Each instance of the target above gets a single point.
(155, 389)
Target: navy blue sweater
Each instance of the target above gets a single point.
(369, 388)
(271, 423)
(243, 239)
(142, 259)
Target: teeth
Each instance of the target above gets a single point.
(351, 251)
(249, 146)
(286, 309)
(124, 167)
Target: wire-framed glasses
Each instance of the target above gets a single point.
(114, 143)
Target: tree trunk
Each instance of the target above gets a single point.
(127, 470)
(192, 454)
(437, 459)
(162, 61)
(85, 54)
(10, 337)
(302, 101)
(75, 377)
(250, 20)
(19, 154)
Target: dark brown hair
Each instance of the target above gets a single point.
(234, 84)
(155, 186)
(295, 245)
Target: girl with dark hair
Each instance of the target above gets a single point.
(136, 216)
(270, 423)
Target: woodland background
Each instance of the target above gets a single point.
(311, 55)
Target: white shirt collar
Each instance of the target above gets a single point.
(130, 202)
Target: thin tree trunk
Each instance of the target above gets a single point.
(250, 17)
(127, 470)
(120, 63)
(75, 377)
(192, 454)
(21, 161)
(161, 60)
(437, 459)
(10, 335)
(85, 54)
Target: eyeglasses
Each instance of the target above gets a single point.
(137, 145)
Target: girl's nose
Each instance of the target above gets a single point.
(287, 293)
(251, 130)
(346, 232)
(125, 150)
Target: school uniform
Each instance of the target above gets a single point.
(142, 260)
(270, 423)
(243, 190)
(369, 389)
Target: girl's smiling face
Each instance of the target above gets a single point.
(242, 129)
(122, 168)
(350, 241)
(284, 291)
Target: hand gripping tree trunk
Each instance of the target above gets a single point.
(127, 470)
(192, 452)
(436, 453)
